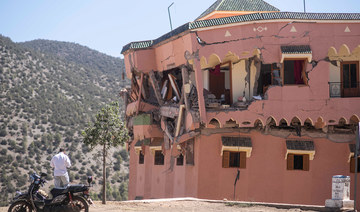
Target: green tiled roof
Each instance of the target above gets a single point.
(302, 49)
(300, 145)
(236, 141)
(226, 20)
(138, 45)
(239, 19)
(238, 5)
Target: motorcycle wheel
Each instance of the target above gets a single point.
(80, 204)
(20, 206)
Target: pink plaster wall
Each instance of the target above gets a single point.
(157, 181)
(172, 53)
(143, 60)
(320, 36)
(265, 178)
(133, 180)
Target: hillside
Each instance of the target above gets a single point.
(49, 91)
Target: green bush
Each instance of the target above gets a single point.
(3, 132)
(3, 151)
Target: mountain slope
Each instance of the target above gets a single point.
(75, 53)
(49, 91)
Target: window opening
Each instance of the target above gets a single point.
(141, 158)
(220, 82)
(294, 72)
(349, 79)
(180, 160)
(275, 74)
(298, 162)
(159, 158)
(234, 159)
(270, 75)
(190, 152)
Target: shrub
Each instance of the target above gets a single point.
(3, 151)
(3, 132)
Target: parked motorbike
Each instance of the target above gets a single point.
(73, 198)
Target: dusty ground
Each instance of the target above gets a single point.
(189, 206)
(177, 206)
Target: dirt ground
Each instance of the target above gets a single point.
(177, 206)
(186, 205)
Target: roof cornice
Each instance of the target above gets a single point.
(244, 19)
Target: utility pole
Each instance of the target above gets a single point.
(304, 7)
(170, 15)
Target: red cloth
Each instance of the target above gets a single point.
(298, 66)
(216, 70)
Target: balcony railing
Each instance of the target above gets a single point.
(341, 90)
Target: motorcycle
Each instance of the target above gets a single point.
(73, 198)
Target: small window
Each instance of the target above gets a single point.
(298, 162)
(234, 159)
(190, 152)
(352, 165)
(180, 160)
(159, 158)
(349, 79)
(141, 158)
(294, 72)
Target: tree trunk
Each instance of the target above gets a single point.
(104, 176)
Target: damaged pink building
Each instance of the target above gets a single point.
(245, 103)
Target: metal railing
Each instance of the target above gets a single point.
(341, 90)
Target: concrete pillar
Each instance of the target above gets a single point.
(340, 197)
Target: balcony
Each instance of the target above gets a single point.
(342, 90)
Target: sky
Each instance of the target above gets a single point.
(108, 25)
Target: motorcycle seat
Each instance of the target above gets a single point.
(77, 188)
(71, 188)
(57, 191)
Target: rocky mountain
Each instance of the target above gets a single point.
(49, 92)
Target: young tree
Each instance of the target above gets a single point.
(108, 130)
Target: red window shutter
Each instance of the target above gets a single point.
(306, 162)
(226, 159)
(242, 160)
(352, 165)
(290, 162)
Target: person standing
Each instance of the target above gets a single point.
(60, 162)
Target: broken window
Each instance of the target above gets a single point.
(269, 75)
(159, 158)
(294, 72)
(349, 79)
(180, 160)
(220, 82)
(298, 162)
(171, 85)
(352, 165)
(233, 159)
(294, 69)
(190, 152)
(141, 157)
